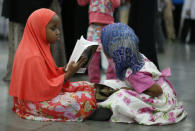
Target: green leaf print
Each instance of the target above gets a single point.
(167, 98)
(87, 107)
(154, 76)
(165, 116)
(108, 105)
(156, 111)
(51, 108)
(44, 104)
(115, 120)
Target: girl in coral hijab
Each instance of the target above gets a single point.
(41, 90)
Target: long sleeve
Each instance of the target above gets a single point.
(140, 81)
(115, 3)
(82, 2)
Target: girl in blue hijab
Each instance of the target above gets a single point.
(121, 44)
(152, 99)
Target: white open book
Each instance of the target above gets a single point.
(115, 84)
(85, 48)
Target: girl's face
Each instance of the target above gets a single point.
(52, 30)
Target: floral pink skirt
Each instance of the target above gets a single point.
(74, 103)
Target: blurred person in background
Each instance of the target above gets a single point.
(142, 20)
(75, 23)
(177, 9)
(3, 25)
(100, 14)
(160, 38)
(168, 20)
(188, 26)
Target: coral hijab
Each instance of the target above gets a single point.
(35, 76)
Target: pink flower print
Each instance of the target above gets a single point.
(132, 93)
(169, 102)
(126, 101)
(117, 81)
(146, 110)
(69, 115)
(180, 107)
(148, 100)
(174, 101)
(158, 124)
(76, 107)
(70, 112)
(44, 119)
(133, 119)
(60, 109)
(90, 38)
(132, 111)
(152, 118)
(119, 94)
(129, 72)
(171, 117)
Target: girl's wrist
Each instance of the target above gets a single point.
(67, 76)
(64, 69)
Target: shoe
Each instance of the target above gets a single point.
(101, 114)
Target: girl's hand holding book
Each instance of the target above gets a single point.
(74, 67)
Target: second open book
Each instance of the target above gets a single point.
(84, 48)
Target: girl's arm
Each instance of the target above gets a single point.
(82, 2)
(115, 3)
(143, 83)
(154, 91)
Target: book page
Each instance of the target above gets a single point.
(89, 52)
(115, 84)
(83, 48)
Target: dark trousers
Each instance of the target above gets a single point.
(142, 20)
(160, 38)
(188, 26)
(177, 17)
(75, 23)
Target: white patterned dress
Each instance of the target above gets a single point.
(131, 106)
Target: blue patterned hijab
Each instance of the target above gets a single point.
(121, 43)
